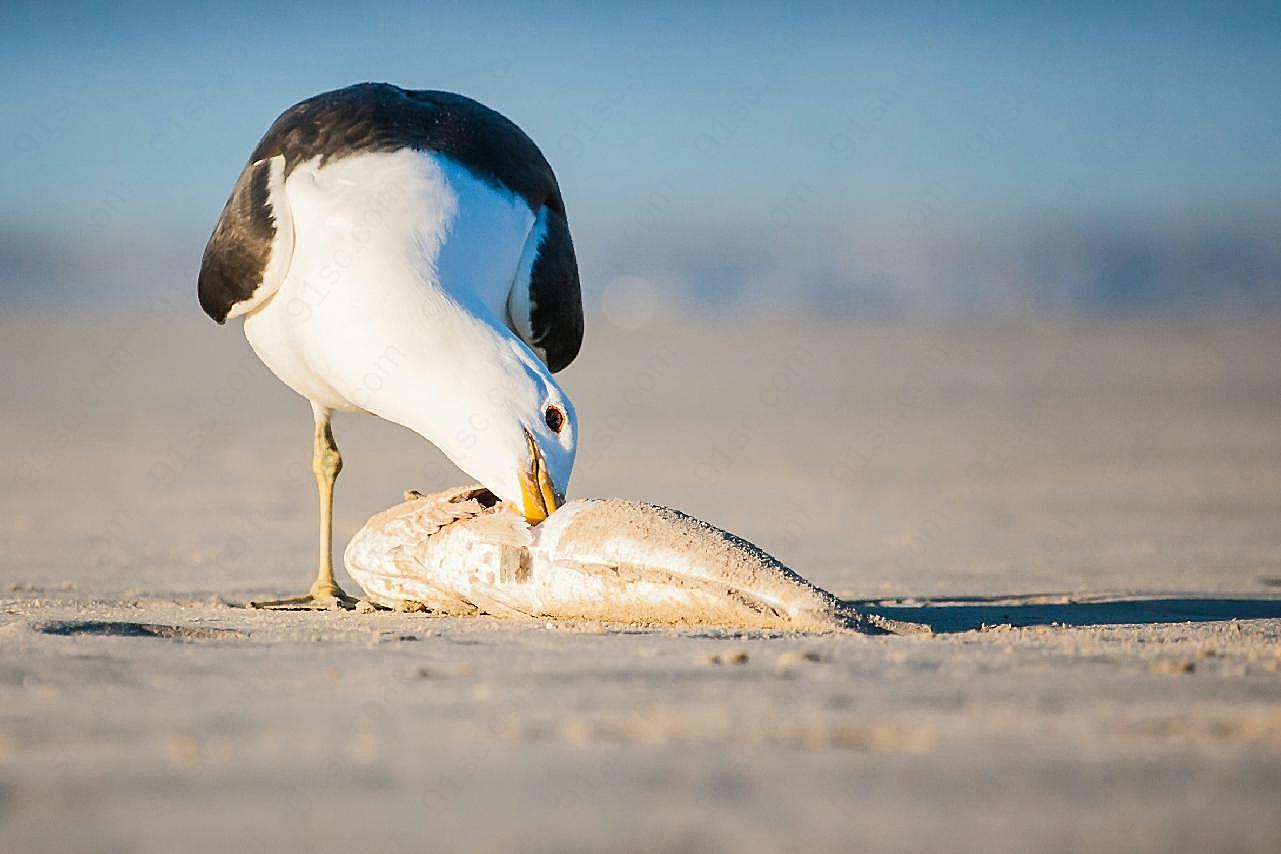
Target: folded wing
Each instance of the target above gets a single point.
(249, 252)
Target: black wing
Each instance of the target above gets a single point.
(249, 251)
(545, 306)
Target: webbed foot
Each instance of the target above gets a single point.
(324, 596)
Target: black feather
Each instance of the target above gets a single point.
(240, 247)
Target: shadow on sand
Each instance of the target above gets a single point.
(963, 614)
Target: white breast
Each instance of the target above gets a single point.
(384, 245)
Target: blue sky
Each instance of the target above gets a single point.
(664, 119)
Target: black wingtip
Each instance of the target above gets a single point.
(215, 308)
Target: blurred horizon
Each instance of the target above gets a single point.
(927, 160)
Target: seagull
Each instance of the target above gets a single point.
(406, 254)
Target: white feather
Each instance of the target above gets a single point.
(384, 243)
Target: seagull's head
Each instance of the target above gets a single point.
(510, 426)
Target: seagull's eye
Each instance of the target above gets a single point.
(555, 418)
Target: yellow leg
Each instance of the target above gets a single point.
(326, 462)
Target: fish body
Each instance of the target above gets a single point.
(603, 560)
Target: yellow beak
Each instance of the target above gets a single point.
(536, 488)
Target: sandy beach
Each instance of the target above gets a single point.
(1086, 514)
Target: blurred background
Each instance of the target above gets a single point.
(924, 160)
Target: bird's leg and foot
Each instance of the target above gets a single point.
(326, 462)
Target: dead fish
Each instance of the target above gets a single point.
(608, 560)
